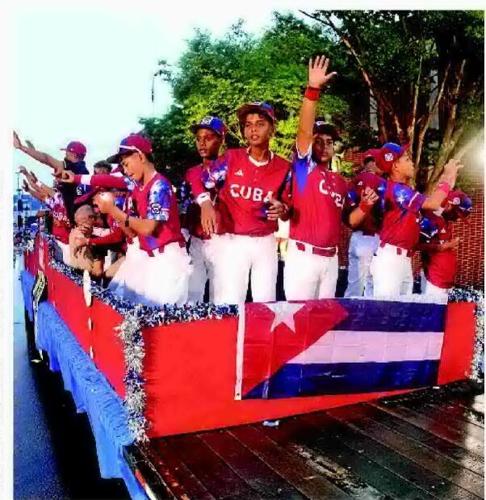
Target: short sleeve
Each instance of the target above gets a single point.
(407, 198)
(159, 201)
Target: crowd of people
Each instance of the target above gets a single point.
(153, 243)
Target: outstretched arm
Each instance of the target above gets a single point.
(446, 183)
(41, 157)
(318, 78)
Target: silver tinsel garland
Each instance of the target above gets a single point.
(470, 294)
(136, 317)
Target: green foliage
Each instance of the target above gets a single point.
(217, 76)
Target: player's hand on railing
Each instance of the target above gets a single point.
(318, 75)
(208, 217)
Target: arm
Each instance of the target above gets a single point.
(368, 199)
(437, 247)
(44, 158)
(318, 78)
(446, 183)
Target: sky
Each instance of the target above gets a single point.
(83, 70)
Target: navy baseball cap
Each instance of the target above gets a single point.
(131, 144)
(260, 107)
(211, 123)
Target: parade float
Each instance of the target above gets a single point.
(142, 373)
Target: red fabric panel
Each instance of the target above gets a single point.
(190, 372)
(68, 299)
(458, 346)
(107, 347)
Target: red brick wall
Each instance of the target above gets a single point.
(470, 270)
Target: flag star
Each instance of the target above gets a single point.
(284, 313)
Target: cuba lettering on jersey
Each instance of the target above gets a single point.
(61, 226)
(243, 190)
(318, 199)
(401, 219)
(372, 222)
(439, 267)
(156, 201)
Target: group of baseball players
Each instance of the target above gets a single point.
(220, 225)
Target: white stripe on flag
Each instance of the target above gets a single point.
(338, 346)
(240, 343)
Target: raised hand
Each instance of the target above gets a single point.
(318, 75)
(29, 144)
(23, 170)
(16, 141)
(25, 186)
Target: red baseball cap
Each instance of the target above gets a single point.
(131, 144)
(263, 108)
(387, 155)
(76, 147)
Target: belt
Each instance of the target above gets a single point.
(400, 251)
(368, 233)
(325, 252)
(151, 253)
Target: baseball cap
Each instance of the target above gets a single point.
(211, 123)
(132, 143)
(76, 147)
(370, 153)
(321, 127)
(461, 203)
(388, 154)
(260, 107)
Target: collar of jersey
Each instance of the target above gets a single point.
(259, 163)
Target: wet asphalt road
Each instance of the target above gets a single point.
(54, 449)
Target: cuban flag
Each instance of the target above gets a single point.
(337, 346)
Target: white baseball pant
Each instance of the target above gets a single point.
(205, 257)
(241, 256)
(392, 272)
(161, 279)
(432, 290)
(361, 251)
(308, 276)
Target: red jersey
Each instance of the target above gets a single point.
(157, 201)
(372, 222)
(192, 219)
(318, 199)
(401, 217)
(245, 189)
(61, 227)
(439, 267)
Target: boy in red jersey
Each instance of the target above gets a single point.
(249, 182)
(391, 267)
(364, 239)
(203, 248)
(438, 246)
(319, 201)
(156, 268)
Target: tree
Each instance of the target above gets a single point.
(216, 76)
(417, 65)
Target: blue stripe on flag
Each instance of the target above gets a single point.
(295, 380)
(388, 316)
